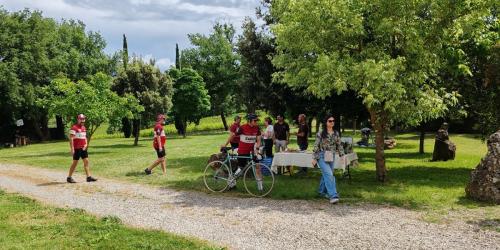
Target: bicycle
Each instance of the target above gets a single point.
(258, 178)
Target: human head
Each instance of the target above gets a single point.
(252, 119)
(301, 118)
(160, 118)
(81, 118)
(268, 120)
(237, 119)
(327, 123)
(280, 118)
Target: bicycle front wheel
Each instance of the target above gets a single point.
(258, 180)
(216, 176)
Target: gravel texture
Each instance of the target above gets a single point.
(247, 223)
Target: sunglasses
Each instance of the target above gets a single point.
(331, 120)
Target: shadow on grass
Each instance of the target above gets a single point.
(60, 154)
(120, 146)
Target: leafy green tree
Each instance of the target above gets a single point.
(92, 97)
(150, 86)
(388, 52)
(214, 58)
(33, 51)
(191, 100)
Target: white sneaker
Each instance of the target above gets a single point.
(334, 200)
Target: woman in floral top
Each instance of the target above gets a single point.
(327, 143)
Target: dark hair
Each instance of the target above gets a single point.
(324, 131)
(269, 120)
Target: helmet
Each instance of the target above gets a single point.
(252, 117)
(81, 117)
(160, 117)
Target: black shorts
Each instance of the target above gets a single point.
(80, 153)
(161, 153)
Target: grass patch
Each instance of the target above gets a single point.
(27, 224)
(414, 181)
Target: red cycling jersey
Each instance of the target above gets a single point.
(80, 136)
(161, 133)
(248, 137)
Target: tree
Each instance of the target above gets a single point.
(388, 52)
(191, 100)
(151, 87)
(125, 123)
(93, 97)
(214, 58)
(177, 57)
(33, 51)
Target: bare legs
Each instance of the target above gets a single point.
(85, 166)
(160, 161)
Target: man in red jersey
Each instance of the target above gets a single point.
(78, 146)
(159, 145)
(249, 135)
(233, 138)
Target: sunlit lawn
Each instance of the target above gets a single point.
(27, 224)
(414, 182)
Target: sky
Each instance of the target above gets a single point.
(152, 27)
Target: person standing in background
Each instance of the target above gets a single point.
(268, 137)
(302, 136)
(281, 134)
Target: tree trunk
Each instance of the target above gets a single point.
(354, 126)
(136, 126)
(309, 124)
(223, 117)
(60, 128)
(179, 126)
(126, 128)
(338, 124)
(318, 122)
(184, 128)
(378, 123)
(41, 129)
(422, 138)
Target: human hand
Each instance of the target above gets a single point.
(84, 147)
(72, 151)
(314, 162)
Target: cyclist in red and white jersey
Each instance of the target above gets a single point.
(250, 138)
(78, 145)
(159, 145)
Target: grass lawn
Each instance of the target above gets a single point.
(414, 181)
(27, 224)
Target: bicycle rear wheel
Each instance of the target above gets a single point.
(216, 176)
(258, 180)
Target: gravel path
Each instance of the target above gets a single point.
(247, 223)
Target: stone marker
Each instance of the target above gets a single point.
(484, 184)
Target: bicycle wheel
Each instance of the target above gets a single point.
(258, 180)
(216, 176)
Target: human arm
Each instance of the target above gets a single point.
(71, 148)
(316, 149)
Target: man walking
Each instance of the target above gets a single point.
(159, 145)
(281, 134)
(78, 145)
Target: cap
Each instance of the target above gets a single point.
(81, 117)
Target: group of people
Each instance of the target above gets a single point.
(247, 140)
(78, 147)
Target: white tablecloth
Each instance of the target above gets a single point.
(305, 160)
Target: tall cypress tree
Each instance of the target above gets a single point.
(177, 57)
(126, 127)
(125, 52)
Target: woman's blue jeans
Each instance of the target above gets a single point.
(327, 185)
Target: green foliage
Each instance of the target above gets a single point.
(214, 58)
(93, 98)
(149, 85)
(33, 51)
(191, 99)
